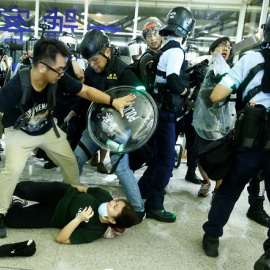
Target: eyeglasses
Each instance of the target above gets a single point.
(54, 70)
(222, 45)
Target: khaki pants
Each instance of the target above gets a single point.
(18, 146)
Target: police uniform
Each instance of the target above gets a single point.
(158, 173)
(246, 162)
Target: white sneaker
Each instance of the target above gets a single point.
(204, 190)
(18, 202)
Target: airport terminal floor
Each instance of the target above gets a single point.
(149, 245)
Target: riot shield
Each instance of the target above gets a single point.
(213, 120)
(122, 135)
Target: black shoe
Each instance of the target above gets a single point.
(264, 262)
(101, 168)
(192, 177)
(3, 231)
(210, 245)
(257, 213)
(49, 165)
(161, 215)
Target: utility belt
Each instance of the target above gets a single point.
(252, 128)
(167, 100)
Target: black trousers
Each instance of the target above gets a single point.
(48, 194)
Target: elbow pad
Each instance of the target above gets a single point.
(177, 84)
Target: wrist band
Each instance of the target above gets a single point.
(111, 101)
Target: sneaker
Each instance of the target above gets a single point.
(264, 262)
(101, 168)
(161, 215)
(18, 202)
(3, 231)
(210, 245)
(204, 190)
(94, 160)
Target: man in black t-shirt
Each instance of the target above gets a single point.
(35, 128)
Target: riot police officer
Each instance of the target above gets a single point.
(168, 92)
(252, 152)
(105, 71)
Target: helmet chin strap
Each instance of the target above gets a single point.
(101, 53)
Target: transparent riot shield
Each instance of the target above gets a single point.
(213, 120)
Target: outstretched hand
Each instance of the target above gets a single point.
(120, 103)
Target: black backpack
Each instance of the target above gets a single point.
(27, 89)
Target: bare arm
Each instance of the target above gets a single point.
(77, 70)
(81, 188)
(98, 96)
(220, 93)
(64, 235)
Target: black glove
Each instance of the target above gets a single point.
(26, 248)
(201, 69)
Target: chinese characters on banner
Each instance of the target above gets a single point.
(17, 22)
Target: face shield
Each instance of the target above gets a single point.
(122, 135)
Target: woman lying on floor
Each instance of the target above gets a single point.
(82, 213)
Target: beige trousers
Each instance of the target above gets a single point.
(18, 146)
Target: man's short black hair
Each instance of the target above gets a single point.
(217, 42)
(46, 50)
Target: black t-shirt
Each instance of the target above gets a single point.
(36, 107)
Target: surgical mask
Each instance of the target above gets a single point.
(102, 210)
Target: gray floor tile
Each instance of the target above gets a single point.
(150, 245)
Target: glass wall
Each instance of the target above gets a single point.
(116, 18)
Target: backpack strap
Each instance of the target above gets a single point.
(51, 99)
(239, 94)
(27, 89)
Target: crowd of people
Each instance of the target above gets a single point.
(44, 106)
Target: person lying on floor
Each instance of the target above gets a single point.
(82, 213)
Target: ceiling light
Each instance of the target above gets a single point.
(99, 14)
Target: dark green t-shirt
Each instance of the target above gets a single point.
(70, 205)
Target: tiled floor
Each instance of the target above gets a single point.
(150, 245)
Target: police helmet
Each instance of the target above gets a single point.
(266, 33)
(30, 44)
(122, 135)
(93, 42)
(179, 21)
(69, 39)
(151, 26)
(137, 46)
